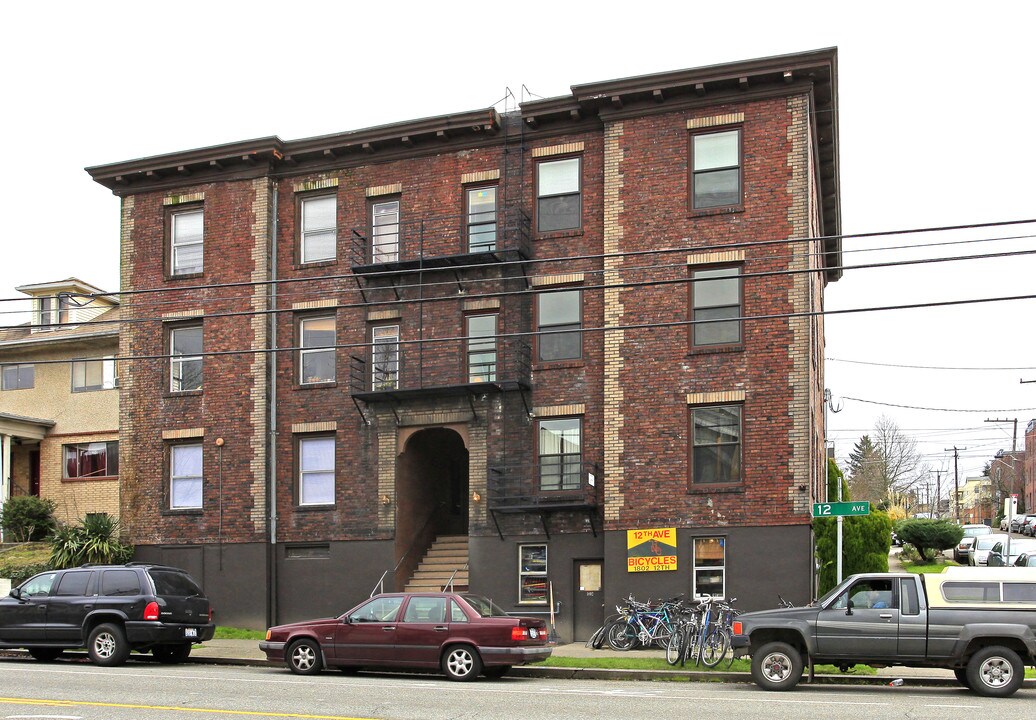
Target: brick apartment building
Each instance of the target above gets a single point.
(531, 333)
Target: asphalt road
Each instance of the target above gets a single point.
(68, 691)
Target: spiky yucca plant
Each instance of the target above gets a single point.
(94, 540)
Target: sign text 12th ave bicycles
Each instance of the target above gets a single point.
(841, 508)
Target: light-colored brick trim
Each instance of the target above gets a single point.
(471, 305)
(548, 280)
(183, 314)
(475, 177)
(314, 427)
(559, 410)
(183, 433)
(378, 315)
(715, 121)
(715, 258)
(394, 189)
(314, 304)
(614, 336)
(321, 184)
(557, 150)
(711, 398)
(181, 198)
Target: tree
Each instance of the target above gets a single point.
(836, 477)
(865, 546)
(929, 536)
(887, 468)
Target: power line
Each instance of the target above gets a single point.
(926, 367)
(931, 409)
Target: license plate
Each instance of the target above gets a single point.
(190, 632)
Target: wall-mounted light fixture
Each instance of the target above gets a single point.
(476, 496)
(386, 500)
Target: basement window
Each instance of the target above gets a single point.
(532, 574)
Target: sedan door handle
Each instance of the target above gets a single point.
(388, 628)
(441, 628)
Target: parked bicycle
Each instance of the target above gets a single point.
(641, 624)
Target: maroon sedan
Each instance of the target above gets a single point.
(464, 635)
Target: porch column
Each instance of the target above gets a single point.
(5, 474)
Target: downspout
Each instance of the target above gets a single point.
(271, 442)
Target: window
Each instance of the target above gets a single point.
(385, 231)
(90, 375)
(53, 311)
(716, 306)
(18, 377)
(73, 584)
(317, 356)
(385, 367)
(318, 229)
(715, 169)
(709, 567)
(559, 315)
(185, 363)
(425, 610)
(560, 454)
(717, 444)
(971, 591)
(481, 348)
(1019, 592)
(89, 460)
(532, 574)
(379, 609)
(317, 471)
(558, 199)
(185, 477)
(481, 219)
(120, 582)
(186, 233)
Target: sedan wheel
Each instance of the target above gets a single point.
(304, 658)
(461, 662)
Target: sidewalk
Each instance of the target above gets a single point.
(246, 652)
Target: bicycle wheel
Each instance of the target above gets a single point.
(661, 632)
(621, 635)
(730, 650)
(713, 647)
(674, 651)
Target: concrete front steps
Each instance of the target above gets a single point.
(448, 554)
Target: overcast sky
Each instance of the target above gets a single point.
(936, 129)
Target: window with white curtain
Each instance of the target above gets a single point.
(185, 477)
(319, 229)
(316, 470)
(187, 233)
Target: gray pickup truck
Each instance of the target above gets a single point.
(978, 622)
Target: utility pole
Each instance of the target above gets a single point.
(933, 509)
(1014, 437)
(956, 481)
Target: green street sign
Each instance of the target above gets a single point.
(841, 508)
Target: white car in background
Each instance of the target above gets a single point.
(1019, 546)
(978, 554)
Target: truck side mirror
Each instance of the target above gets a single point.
(849, 607)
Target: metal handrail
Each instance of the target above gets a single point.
(380, 585)
(448, 587)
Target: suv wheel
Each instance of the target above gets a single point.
(171, 654)
(107, 645)
(45, 654)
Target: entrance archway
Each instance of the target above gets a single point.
(431, 494)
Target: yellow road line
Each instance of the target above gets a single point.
(211, 711)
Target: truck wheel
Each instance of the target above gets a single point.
(962, 676)
(776, 666)
(995, 671)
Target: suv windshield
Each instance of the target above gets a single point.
(171, 582)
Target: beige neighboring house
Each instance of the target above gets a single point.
(59, 421)
(976, 500)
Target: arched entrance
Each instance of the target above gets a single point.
(431, 494)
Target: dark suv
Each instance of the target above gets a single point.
(108, 609)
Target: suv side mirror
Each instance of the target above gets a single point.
(15, 593)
